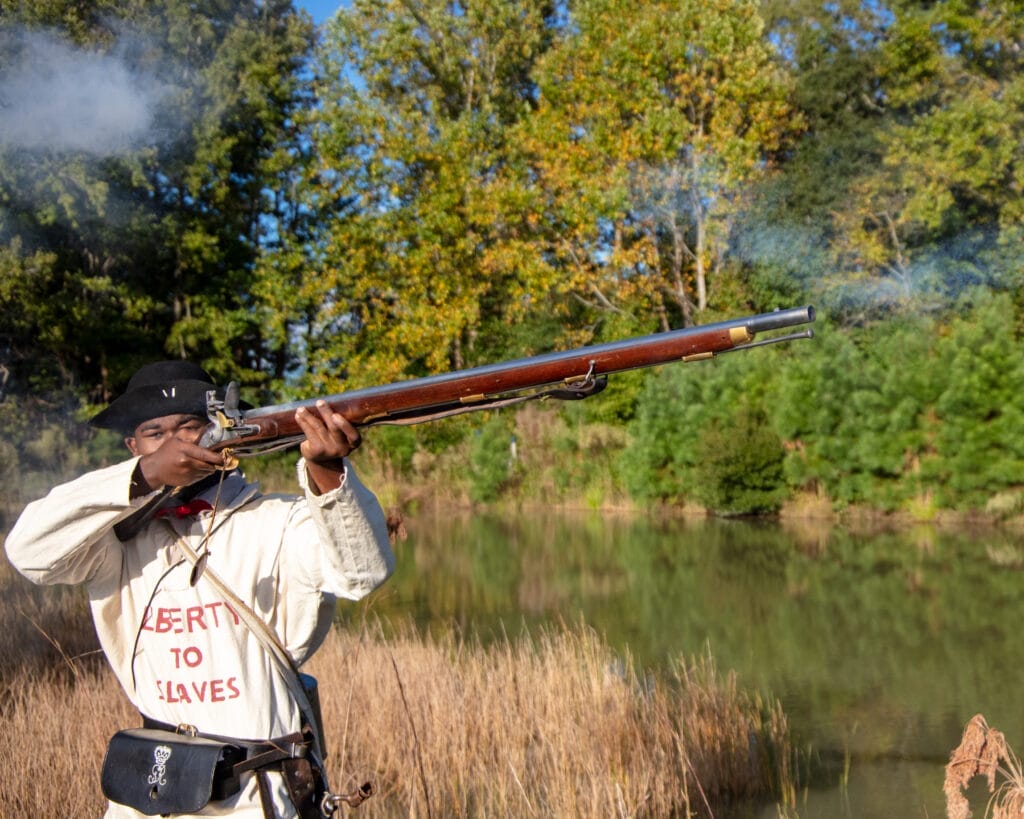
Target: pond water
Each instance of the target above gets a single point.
(879, 646)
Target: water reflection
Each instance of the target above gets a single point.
(880, 646)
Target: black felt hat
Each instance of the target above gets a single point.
(158, 389)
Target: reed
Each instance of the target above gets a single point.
(983, 752)
(44, 631)
(550, 725)
(55, 729)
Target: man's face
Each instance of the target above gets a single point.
(150, 435)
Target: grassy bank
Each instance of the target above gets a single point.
(556, 726)
(553, 725)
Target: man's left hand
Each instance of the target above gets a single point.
(329, 439)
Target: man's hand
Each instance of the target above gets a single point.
(329, 439)
(176, 462)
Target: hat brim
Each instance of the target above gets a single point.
(183, 397)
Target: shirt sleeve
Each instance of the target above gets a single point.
(355, 554)
(67, 536)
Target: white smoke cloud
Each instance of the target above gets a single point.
(56, 97)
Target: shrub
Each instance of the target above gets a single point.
(678, 402)
(740, 466)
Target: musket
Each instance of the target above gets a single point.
(567, 375)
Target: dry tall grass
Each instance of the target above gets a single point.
(553, 726)
(983, 752)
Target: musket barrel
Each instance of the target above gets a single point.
(780, 319)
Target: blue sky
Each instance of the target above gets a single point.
(320, 10)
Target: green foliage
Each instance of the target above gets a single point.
(436, 264)
(490, 460)
(854, 407)
(677, 405)
(438, 186)
(579, 453)
(616, 403)
(740, 468)
(117, 254)
(648, 134)
(397, 443)
(447, 433)
(978, 409)
(274, 471)
(43, 444)
(908, 410)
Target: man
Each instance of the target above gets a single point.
(182, 652)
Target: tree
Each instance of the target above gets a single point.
(978, 446)
(139, 145)
(653, 121)
(740, 466)
(427, 262)
(222, 189)
(787, 233)
(935, 212)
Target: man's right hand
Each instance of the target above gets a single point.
(178, 463)
(169, 454)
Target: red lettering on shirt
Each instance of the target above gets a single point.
(191, 619)
(194, 617)
(235, 616)
(213, 612)
(175, 620)
(218, 690)
(190, 655)
(168, 620)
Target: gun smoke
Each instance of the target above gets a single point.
(924, 278)
(58, 98)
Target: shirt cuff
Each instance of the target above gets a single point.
(306, 483)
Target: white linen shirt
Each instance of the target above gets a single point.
(180, 651)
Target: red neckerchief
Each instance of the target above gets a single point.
(185, 510)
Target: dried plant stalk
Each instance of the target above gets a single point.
(983, 752)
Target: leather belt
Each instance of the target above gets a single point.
(288, 755)
(262, 755)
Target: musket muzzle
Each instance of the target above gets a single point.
(780, 319)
